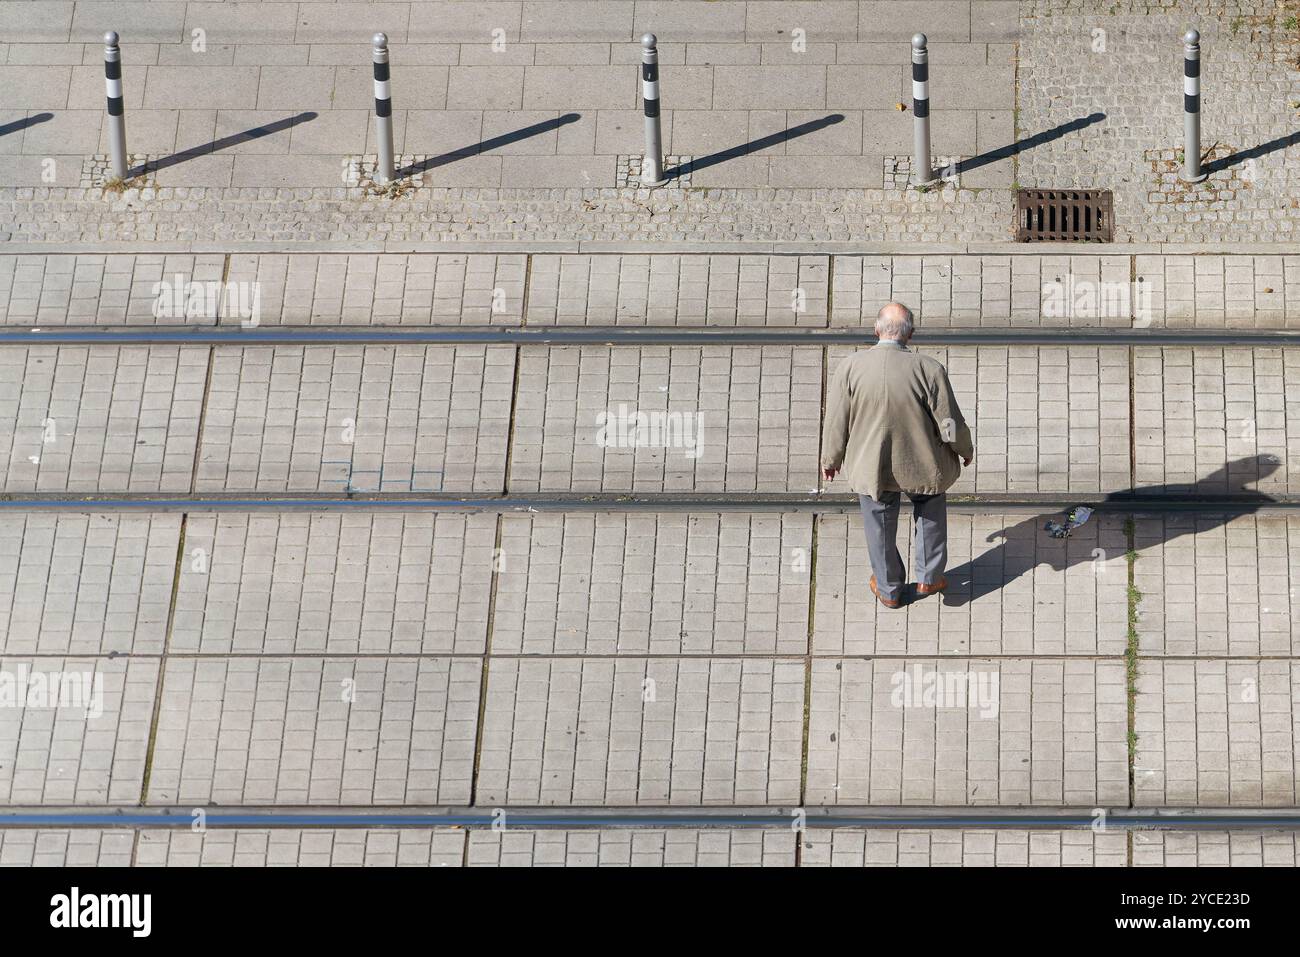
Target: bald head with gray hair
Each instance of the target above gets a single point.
(894, 321)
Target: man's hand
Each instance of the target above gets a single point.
(965, 462)
(830, 473)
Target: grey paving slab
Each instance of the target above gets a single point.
(641, 731)
(1012, 590)
(967, 731)
(360, 289)
(673, 290)
(720, 584)
(331, 583)
(334, 731)
(372, 418)
(1213, 849)
(1214, 420)
(99, 418)
(1044, 418)
(1218, 585)
(88, 289)
(962, 848)
(76, 730)
(266, 847)
(631, 848)
(21, 847)
(666, 419)
(1216, 732)
(86, 584)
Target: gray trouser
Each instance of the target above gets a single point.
(929, 539)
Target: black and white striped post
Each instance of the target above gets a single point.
(384, 171)
(116, 110)
(1192, 172)
(923, 172)
(652, 166)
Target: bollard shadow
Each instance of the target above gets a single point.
(753, 146)
(1019, 146)
(1026, 545)
(1263, 149)
(19, 125)
(484, 146)
(246, 136)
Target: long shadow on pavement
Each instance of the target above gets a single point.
(1263, 149)
(753, 146)
(18, 125)
(246, 136)
(1019, 146)
(1021, 551)
(505, 139)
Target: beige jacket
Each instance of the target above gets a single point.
(893, 424)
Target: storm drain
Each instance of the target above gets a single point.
(1063, 215)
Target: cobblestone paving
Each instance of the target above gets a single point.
(1080, 59)
(1108, 290)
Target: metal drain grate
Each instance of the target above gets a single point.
(1063, 215)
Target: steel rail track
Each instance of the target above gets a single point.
(592, 818)
(233, 335)
(621, 502)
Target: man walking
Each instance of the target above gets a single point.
(892, 422)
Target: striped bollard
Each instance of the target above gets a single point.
(652, 166)
(923, 173)
(384, 171)
(116, 111)
(1192, 172)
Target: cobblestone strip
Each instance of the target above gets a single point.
(1215, 733)
(84, 740)
(77, 418)
(968, 732)
(1024, 594)
(332, 731)
(85, 584)
(412, 583)
(372, 418)
(708, 584)
(565, 731)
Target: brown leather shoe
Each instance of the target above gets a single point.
(888, 603)
(932, 589)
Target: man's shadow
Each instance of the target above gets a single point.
(1026, 545)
